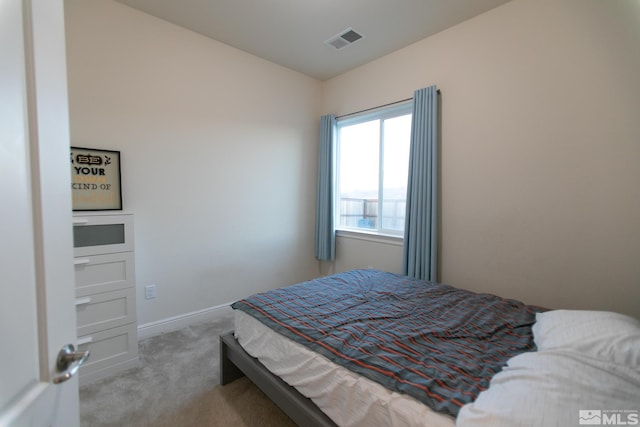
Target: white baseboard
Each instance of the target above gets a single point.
(178, 322)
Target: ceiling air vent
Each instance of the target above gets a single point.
(344, 39)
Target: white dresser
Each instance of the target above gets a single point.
(105, 292)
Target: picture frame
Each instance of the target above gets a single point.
(95, 179)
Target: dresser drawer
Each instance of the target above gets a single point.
(103, 273)
(108, 348)
(102, 234)
(105, 310)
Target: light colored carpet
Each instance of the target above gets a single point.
(176, 384)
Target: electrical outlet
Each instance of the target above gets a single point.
(150, 292)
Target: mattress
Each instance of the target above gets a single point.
(347, 398)
(538, 368)
(439, 344)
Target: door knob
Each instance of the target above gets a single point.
(68, 362)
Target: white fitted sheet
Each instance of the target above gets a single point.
(347, 398)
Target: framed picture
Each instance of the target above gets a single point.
(95, 179)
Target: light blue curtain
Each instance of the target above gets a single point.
(325, 232)
(420, 235)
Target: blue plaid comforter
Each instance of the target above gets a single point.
(431, 341)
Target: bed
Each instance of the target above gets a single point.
(372, 348)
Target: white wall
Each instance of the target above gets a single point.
(540, 149)
(218, 153)
(355, 250)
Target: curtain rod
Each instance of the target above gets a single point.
(379, 106)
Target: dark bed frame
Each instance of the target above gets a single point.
(236, 363)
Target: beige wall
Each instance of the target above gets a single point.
(218, 152)
(540, 149)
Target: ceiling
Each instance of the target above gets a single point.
(292, 33)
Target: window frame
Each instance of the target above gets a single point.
(382, 113)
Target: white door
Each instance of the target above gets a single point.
(37, 313)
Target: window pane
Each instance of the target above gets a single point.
(358, 153)
(372, 161)
(397, 137)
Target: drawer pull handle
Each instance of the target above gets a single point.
(83, 301)
(84, 340)
(81, 261)
(80, 221)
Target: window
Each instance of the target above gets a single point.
(372, 157)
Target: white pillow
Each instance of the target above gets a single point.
(553, 388)
(587, 361)
(607, 336)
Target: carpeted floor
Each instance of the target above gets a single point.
(176, 384)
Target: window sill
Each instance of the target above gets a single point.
(370, 237)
